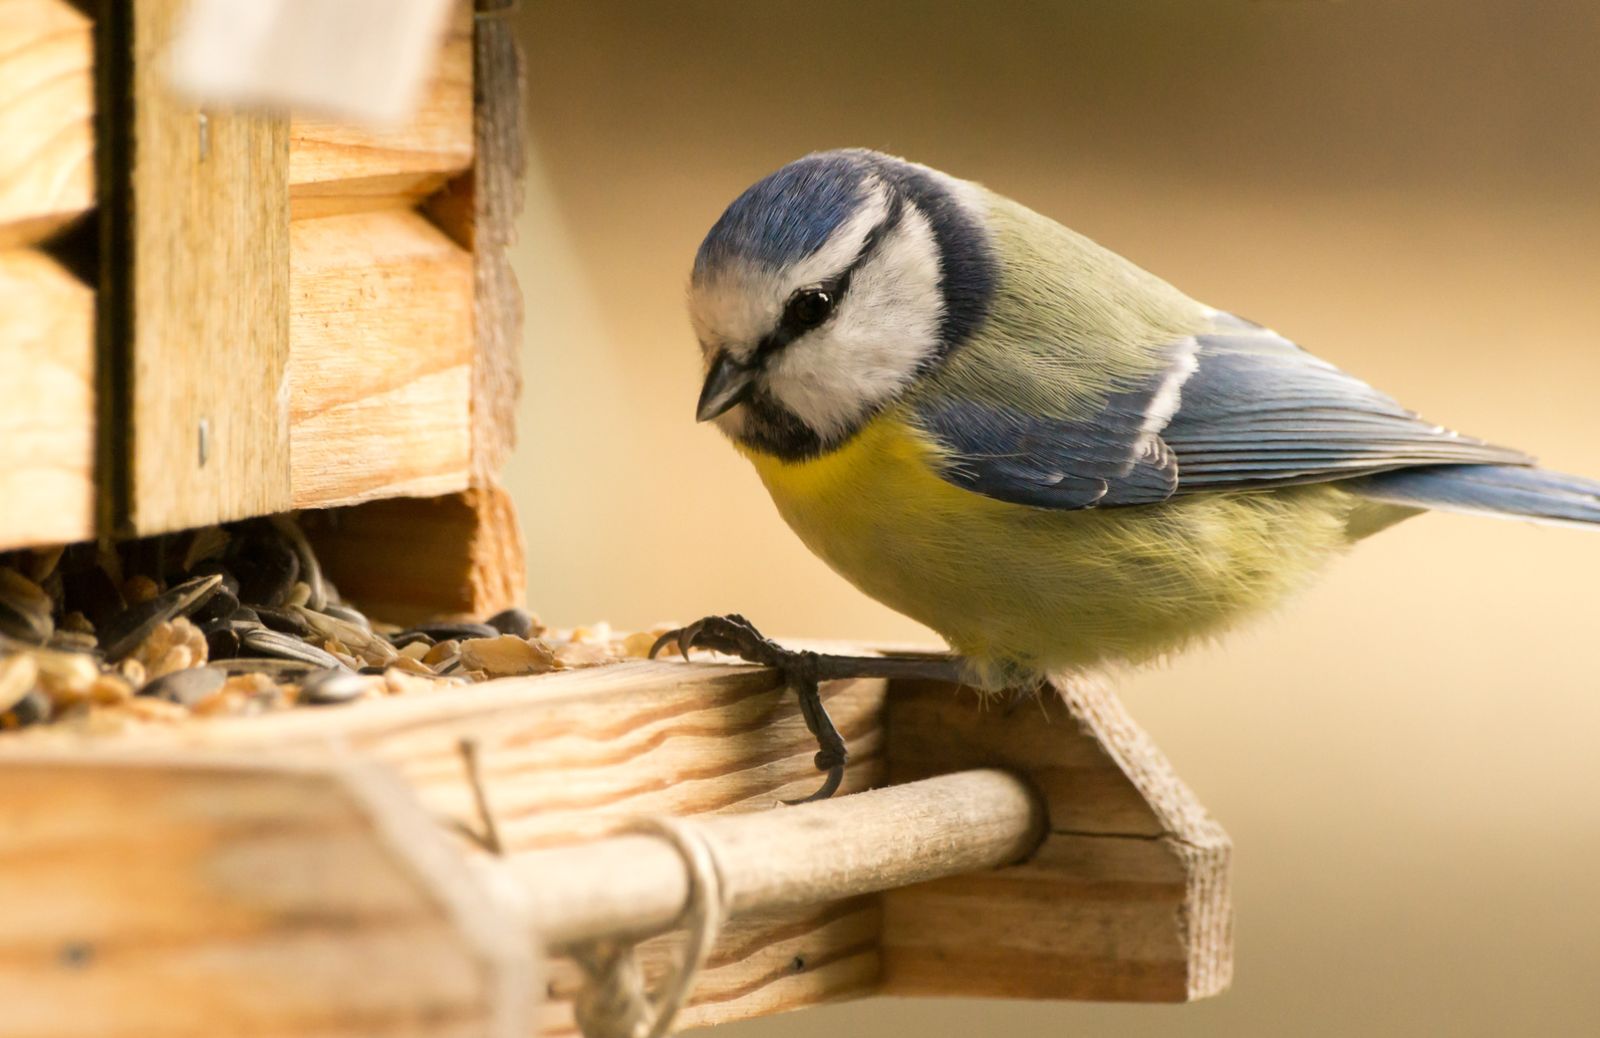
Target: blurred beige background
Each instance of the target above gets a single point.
(1406, 757)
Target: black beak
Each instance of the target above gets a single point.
(728, 384)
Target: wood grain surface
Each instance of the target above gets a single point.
(196, 896)
(1135, 874)
(405, 559)
(47, 420)
(496, 195)
(46, 118)
(208, 422)
(380, 369)
(336, 167)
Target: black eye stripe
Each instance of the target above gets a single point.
(839, 284)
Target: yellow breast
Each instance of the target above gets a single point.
(1022, 589)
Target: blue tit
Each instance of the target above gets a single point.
(1051, 457)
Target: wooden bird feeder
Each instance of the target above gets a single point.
(210, 315)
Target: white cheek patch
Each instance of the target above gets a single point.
(742, 304)
(885, 329)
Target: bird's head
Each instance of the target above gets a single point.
(827, 289)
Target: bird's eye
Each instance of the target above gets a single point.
(806, 309)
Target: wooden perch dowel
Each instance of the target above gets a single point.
(632, 886)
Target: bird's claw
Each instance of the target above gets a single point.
(734, 635)
(731, 634)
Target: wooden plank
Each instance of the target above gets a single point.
(1134, 872)
(337, 167)
(209, 434)
(47, 418)
(568, 756)
(380, 372)
(496, 195)
(46, 118)
(190, 895)
(404, 560)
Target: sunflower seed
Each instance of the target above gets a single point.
(230, 583)
(461, 631)
(405, 638)
(310, 570)
(285, 621)
(73, 641)
(274, 643)
(220, 606)
(513, 621)
(276, 668)
(222, 641)
(186, 687)
(328, 687)
(124, 632)
(345, 613)
(24, 608)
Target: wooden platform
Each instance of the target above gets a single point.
(310, 870)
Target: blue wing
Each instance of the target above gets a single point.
(1253, 411)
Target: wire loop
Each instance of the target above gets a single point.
(614, 1002)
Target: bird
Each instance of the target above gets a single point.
(1052, 458)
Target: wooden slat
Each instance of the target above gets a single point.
(404, 560)
(381, 359)
(496, 204)
(1127, 900)
(47, 415)
(190, 897)
(46, 118)
(339, 168)
(210, 302)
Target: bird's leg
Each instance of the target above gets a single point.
(804, 672)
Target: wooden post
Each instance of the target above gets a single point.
(207, 332)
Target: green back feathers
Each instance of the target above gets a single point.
(1071, 322)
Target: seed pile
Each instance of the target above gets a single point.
(229, 620)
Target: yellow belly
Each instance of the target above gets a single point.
(1028, 590)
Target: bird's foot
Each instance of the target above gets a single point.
(736, 636)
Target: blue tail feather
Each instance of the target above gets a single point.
(1508, 490)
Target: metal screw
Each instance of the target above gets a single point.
(205, 441)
